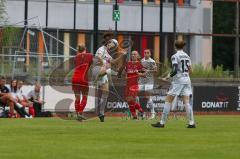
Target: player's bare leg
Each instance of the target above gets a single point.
(13, 104)
(10, 102)
(189, 112)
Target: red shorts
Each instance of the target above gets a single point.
(131, 90)
(81, 86)
(79, 81)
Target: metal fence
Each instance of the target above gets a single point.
(35, 67)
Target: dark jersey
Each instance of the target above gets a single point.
(4, 89)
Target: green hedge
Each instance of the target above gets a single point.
(200, 71)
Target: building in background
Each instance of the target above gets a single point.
(193, 18)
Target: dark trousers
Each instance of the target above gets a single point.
(37, 108)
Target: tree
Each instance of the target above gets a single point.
(224, 23)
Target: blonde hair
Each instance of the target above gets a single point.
(81, 48)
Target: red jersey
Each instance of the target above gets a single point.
(82, 62)
(132, 69)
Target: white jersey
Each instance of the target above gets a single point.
(149, 65)
(104, 55)
(20, 94)
(34, 95)
(183, 62)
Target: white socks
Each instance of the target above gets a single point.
(151, 106)
(189, 113)
(103, 103)
(19, 105)
(165, 112)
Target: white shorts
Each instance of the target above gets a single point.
(95, 73)
(180, 90)
(145, 87)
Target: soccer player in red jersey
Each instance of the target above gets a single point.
(83, 61)
(134, 69)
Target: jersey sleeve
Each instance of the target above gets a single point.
(153, 65)
(174, 60)
(190, 63)
(30, 94)
(7, 89)
(99, 53)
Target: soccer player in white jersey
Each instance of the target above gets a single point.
(146, 83)
(181, 85)
(104, 61)
(102, 69)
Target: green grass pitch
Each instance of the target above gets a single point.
(216, 137)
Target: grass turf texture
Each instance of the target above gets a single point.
(216, 137)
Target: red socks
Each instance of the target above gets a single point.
(138, 107)
(133, 106)
(132, 110)
(77, 104)
(83, 104)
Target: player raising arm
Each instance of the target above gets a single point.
(180, 86)
(102, 68)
